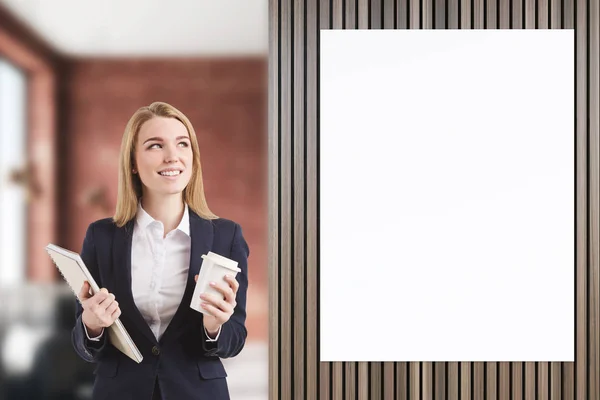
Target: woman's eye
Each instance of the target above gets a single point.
(185, 144)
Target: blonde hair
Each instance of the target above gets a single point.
(130, 185)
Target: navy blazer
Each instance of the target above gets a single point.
(186, 365)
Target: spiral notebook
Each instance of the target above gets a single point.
(75, 273)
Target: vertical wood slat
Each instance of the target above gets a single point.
(542, 377)
(414, 381)
(556, 383)
(477, 384)
(439, 19)
(594, 190)
(567, 386)
(286, 345)
(529, 381)
(376, 391)
(465, 14)
(504, 14)
(363, 367)
(530, 377)
(286, 238)
(337, 379)
(478, 15)
(337, 14)
(350, 368)
(273, 195)
(505, 379)
(568, 10)
(325, 379)
(298, 201)
(440, 381)
(427, 14)
(543, 13)
(389, 378)
(350, 374)
(402, 14)
(581, 362)
(517, 14)
(522, 18)
(452, 381)
(426, 381)
(465, 381)
(350, 17)
(568, 382)
(401, 381)
(363, 381)
(491, 392)
(556, 377)
(312, 356)
(530, 14)
(517, 381)
(389, 16)
(363, 14)
(556, 13)
(414, 14)
(491, 14)
(375, 18)
(453, 14)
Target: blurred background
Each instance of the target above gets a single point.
(72, 72)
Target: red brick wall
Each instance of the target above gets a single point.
(226, 101)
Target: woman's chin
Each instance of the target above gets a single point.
(168, 188)
(167, 191)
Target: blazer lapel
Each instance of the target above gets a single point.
(201, 232)
(122, 241)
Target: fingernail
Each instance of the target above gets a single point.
(212, 284)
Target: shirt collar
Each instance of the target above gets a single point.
(144, 219)
(184, 224)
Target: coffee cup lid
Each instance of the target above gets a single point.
(222, 261)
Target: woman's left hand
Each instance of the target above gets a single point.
(220, 308)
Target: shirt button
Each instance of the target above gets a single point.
(155, 350)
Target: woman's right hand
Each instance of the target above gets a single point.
(99, 311)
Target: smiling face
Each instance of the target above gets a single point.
(163, 156)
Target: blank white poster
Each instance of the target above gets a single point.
(447, 184)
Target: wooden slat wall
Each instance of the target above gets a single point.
(294, 369)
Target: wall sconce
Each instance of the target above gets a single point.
(27, 178)
(97, 198)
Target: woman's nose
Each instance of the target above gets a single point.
(170, 154)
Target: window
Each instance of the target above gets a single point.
(13, 157)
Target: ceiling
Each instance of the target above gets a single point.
(108, 28)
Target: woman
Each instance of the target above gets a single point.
(146, 259)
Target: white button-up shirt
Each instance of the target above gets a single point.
(159, 269)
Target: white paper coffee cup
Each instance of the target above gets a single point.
(213, 269)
